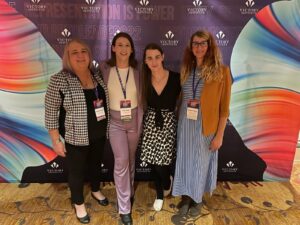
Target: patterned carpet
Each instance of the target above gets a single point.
(237, 203)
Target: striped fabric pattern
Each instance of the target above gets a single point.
(196, 165)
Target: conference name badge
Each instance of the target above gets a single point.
(99, 109)
(125, 110)
(192, 109)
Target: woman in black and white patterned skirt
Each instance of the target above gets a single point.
(161, 89)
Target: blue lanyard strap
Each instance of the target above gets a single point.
(122, 86)
(195, 88)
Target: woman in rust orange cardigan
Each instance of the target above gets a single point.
(206, 86)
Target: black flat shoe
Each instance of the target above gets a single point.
(103, 202)
(126, 219)
(85, 220)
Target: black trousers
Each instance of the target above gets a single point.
(82, 161)
(161, 175)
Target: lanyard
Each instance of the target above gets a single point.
(123, 87)
(195, 88)
(96, 91)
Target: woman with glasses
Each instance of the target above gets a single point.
(161, 88)
(206, 86)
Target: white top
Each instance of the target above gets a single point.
(115, 90)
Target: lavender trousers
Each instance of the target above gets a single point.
(124, 141)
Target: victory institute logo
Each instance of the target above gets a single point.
(90, 2)
(197, 3)
(230, 167)
(230, 164)
(197, 8)
(143, 164)
(221, 40)
(54, 168)
(34, 6)
(250, 3)
(169, 35)
(249, 8)
(144, 2)
(169, 39)
(90, 7)
(143, 7)
(65, 33)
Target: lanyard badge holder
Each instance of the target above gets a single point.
(125, 104)
(193, 104)
(99, 107)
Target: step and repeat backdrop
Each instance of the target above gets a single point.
(260, 41)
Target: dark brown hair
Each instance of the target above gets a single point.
(132, 61)
(146, 73)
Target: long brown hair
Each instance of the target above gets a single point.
(146, 73)
(212, 62)
(112, 61)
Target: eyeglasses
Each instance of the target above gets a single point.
(201, 44)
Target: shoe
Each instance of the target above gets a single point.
(184, 206)
(85, 219)
(103, 202)
(126, 219)
(167, 192)
(195, 209)
(158, 204)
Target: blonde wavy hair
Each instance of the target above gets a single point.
(212, 62)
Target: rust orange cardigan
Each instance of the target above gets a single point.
(214, 100)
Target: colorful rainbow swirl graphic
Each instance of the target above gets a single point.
(265, 105)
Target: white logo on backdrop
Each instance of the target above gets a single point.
(66, 33)
(249, 9)
(230, 167)
(197, 3)
(169, 35)
(221, 40)
(90, 2)
(54, 165)
(250, 3)
(33, 6)
(230, 164)
(169, 39)
(144, 7)
(144, 2)
(143, 164)
(197, 9)
(95, 64)
(220, 35)
(117, 31)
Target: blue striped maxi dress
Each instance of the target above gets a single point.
(196, 165)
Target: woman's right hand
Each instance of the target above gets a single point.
(59, 149)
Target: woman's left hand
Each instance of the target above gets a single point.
(216, 143)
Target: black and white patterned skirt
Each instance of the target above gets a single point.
(158, 143)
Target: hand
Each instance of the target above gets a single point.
(216, 143)
(59, 149)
